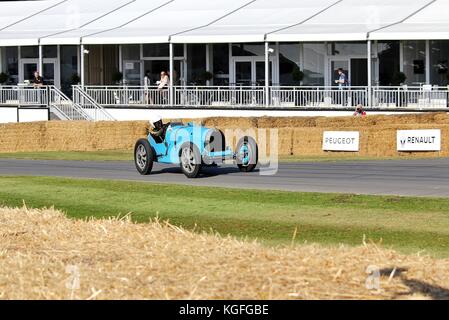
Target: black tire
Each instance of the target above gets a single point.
(190, 160)
(143, 157)
(253, 153)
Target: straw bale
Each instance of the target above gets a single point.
(44, 255)
(297, 135)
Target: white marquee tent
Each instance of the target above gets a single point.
(49, 22)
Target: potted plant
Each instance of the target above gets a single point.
(3, 78)
(398, 78)
(75, 79)
(205, 77)
(117, 77)
(297, 75)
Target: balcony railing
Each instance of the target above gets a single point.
(424, 97)
(282, 97)
(23, 96)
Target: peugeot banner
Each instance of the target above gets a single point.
(348, 141)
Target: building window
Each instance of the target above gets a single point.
(389, 62)
(131, 52)
(221, 64)
(439, 62)
(313, 57)
(69, 67)
(29, 52)
(50, 51)
(162, 50)
(12, 64)
(289, 66)
(345, 49)
(248, 49)
(196, 64)
(415, 62)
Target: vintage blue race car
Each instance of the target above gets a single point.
(193, 147)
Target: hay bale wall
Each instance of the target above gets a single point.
(297, 136)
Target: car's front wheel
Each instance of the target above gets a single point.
(143, 157)
(190, 160)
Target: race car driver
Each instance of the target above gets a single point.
(157, 128)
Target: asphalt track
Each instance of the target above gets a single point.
(397, 177)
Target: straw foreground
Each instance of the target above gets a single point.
(44, 255)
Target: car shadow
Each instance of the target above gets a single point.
(417, 287)
(206, 172)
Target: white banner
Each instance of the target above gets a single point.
(419, 140)
(348, 141)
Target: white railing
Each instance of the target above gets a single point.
(318, 97)
(90, 101)
(233, 96)
(63, 107)
(279, 97)
(128, 95)
(23, 96)
(183, 96)
(424, 97)
(89, 106)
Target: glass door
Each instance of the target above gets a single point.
(243, 73)
(27, 71)
(50, 73)
(260, 73)
(359, 72)
(132, 73)
(251, 72)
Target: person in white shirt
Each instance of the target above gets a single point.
(163, 86)
(164, 82)
(146, 87)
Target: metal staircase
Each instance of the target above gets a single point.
(63, 107)
(91, 108)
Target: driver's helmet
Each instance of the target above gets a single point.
(156, 123)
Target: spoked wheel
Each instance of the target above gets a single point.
(247, 154)
(143, 157)
(190, 160)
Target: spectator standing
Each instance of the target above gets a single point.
(146, 86)
(342, 81)
(342, 78)
(359, 112)
(38, 81)
(163, 85)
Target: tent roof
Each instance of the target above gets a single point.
(175, 17)
(12, 11)
(215, 21)
(432, 22)
(254, 21)
(116, 19)
(65, 16)
(350, 20)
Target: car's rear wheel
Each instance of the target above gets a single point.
(247, 154)
(190, 160)
(143, 157)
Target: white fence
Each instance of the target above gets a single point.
(23, 96)
(279, 97)
(95, 98)
(186, 96)
(319, 97)
(425, 97)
